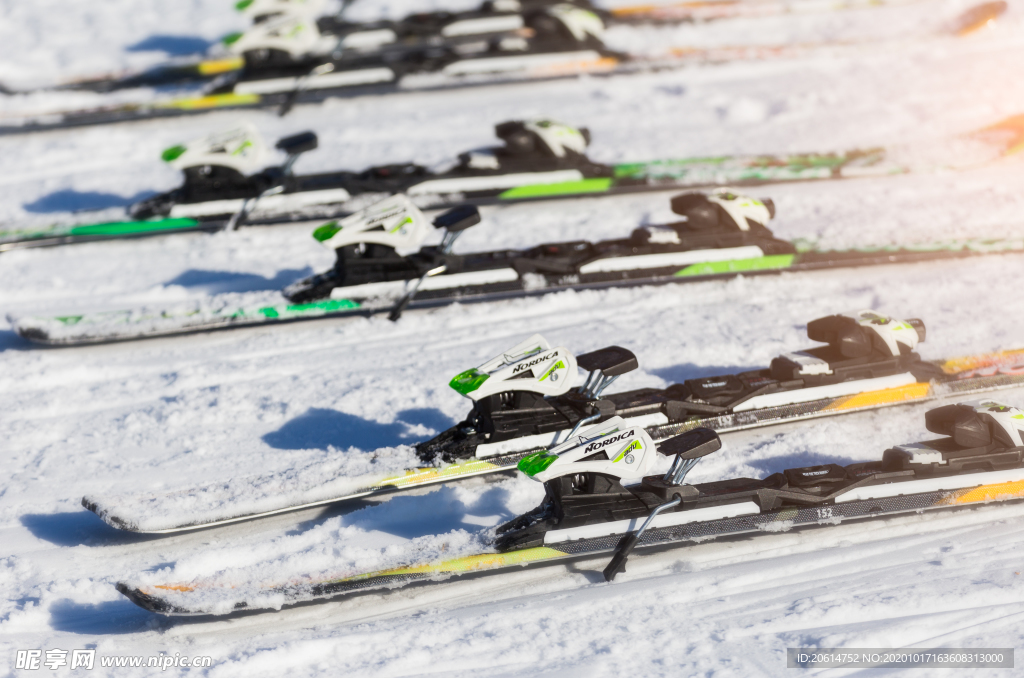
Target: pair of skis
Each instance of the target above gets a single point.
(722, 235)
(272, 21)
(227, 180)
(598, 447)
(565, 41)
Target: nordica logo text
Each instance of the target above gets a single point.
(525, 366)
(607, 441)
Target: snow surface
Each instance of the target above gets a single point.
(169, 413)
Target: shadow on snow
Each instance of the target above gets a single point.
(436, 512)
(68, 200)
(111, 617)
(77, 528)
(171, 45)
(321, 428)
(229, 281)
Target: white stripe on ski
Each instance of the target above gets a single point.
(520, 62)
(547, 440)
(670, 259)
(932, 485)
(491, 24)
(280, 202)
(493, 182)
(845, 388)
(746, 508)
(438, 282)
(364, 76)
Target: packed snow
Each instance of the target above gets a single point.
(151, 417)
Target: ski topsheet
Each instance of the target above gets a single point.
(315, 86)
(395, 469)
(478, 287)
(238, 590)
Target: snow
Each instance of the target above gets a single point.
(150, 417)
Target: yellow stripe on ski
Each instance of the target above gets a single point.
(218, 66)
(572, 67)
(886, 396)
(982, 493)
(482, 561)
(212, 101)
(964, 364)
(422, 476)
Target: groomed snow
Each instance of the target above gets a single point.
(171, 413)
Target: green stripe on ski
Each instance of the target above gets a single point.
(775, 261)
(131, 227)
(561, 188)
(301, 310)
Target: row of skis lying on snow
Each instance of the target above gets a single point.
(532, 398)
(292, 57)
(601, 496)
(289, 38)
(383, 266)
(228, 181)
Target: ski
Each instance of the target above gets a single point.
(722, 236)
(600, 500)
(530, 398)
(558, 41)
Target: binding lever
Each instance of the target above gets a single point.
(605, 366)
(455, 221)
(688, 447)
(294, 146)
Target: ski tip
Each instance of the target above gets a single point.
(1008, 133)
(978, 17)
(145, 600)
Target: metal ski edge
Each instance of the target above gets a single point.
(727, 423)
(152, 597)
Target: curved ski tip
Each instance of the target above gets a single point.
(978, 17)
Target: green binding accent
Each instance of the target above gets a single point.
(241, 5)
(313, 308)
(173, 153)
(563, 188)
(468, 381)
(738, 265)
(326, 232)
(230, 39)
(532, 464)
(132, 227)
(557, 366)
(635, 445)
